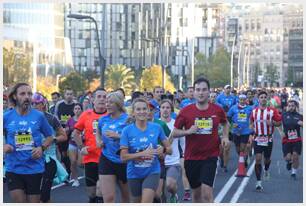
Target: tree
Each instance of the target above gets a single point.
(16, 67)
(216, 68)
(119, 76)
(74, 81)
(46, 85)
(90, 75)
(272, 75)
(152, 77)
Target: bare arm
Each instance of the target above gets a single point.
(76, 135)
(125, 155)
(99, 141)
(61, 135)
(181, 133)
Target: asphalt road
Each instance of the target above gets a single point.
(280, 188)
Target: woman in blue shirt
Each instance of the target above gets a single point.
(139, 147)
(111, 167)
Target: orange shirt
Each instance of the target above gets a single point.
(88, 122)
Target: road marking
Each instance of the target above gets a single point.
(243, 184)
(226, 188)
(62, 184)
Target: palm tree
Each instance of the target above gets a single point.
(120, 76)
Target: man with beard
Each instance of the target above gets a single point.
(24, 130)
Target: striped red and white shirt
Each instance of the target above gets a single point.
(259, 118)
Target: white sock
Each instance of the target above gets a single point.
(259, 182)
(293, 171)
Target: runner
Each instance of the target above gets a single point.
(55, 98)
(63, 111)
(73, 151)
(139, 147)
(263, 120)
(172, 162)
(292, 140)
(239, 115)
(88, 122)
(24, 130)
(111, 167)
(226, 100)
(189, 98)
(40, 103)
(200, 122)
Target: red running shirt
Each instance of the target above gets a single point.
(205, 143)
(88, 122)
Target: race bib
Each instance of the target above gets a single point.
(143, 162)
(24, 141)
(205, 126)
(95, 126)
(242, 117)
(262, 140)
(292, 134)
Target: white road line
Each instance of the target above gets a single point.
(62, 184)
(243, 184)
(226, 188)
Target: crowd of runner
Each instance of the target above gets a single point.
(145, 143)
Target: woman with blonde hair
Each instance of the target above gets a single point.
(111, 167)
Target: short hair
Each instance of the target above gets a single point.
(55, 93)
(167, 101)
(200, 80)
(13, 92)
(121, 90)
(98, 89)
(69, 88)
(262, 92)
(136, 95)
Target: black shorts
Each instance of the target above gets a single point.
(291, 147)
(267, 150)
(107, 167)
(63, 146)
(29, 183)
(201, 172)
(91, 174)
(240, 139)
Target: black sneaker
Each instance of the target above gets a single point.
(289, 165)
(293, 176)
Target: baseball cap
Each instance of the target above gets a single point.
(242, 96)
(38, 98)
(227, 86)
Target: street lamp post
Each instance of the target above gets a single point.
(232, 60)
(101, 58)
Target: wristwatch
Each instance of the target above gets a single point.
(54, 140)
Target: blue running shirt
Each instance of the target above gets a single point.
(137, 140)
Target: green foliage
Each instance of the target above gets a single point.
(216, 68)
(73, 80)
(119, 76)
(152, 77)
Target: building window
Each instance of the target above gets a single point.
(133, 35)
(133, 18)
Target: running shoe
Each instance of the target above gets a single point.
(224, 169)
(187, 196)
(266, 175)
(259, 187)
(75, 183)
(293, 176)
(174, 199)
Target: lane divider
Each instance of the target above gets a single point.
(226, 188)
(243, 184)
